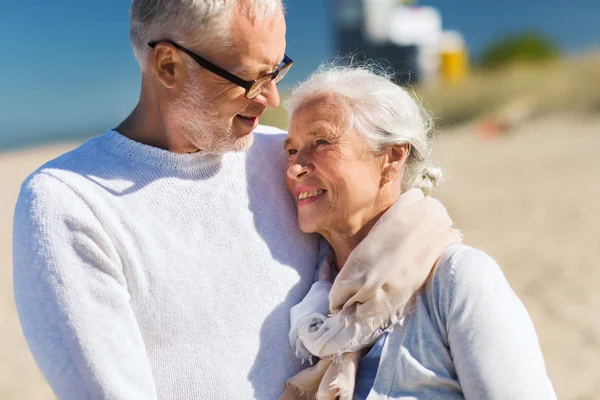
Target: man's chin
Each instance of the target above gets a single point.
(243, 143)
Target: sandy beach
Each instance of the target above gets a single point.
(527, 198)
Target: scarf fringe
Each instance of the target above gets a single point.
(375, 325)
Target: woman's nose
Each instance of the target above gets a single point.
(298, 170)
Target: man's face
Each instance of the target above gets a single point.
(212, 113)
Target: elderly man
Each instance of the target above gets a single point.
(160, 260)
(148, 260)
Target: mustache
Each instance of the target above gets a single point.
(253, 110)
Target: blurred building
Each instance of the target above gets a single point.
(408, 38)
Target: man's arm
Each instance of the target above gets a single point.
(72, 297)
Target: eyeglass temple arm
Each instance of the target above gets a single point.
(211, 67)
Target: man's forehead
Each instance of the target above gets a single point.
(260, 41)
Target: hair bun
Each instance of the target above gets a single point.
(429, 179)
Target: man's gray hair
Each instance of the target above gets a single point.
(383, 112)
(188, 22)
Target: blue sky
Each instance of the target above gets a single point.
(67, 67)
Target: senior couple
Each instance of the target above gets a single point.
(191, 254)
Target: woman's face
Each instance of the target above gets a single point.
(331, 171)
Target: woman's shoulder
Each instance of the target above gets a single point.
(464, 273)
(463, 262)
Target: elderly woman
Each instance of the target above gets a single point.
(359, 164)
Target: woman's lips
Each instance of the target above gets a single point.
(307, 196)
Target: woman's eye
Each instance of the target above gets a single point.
(321, 141)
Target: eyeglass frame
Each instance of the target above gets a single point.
(215, 69)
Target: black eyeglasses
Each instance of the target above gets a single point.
(253, 87)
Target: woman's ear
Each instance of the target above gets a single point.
(393, 162)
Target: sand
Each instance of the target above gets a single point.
(527, 198)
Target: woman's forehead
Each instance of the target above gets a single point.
(315, 121)
(320, 111)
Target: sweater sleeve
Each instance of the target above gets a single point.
(72, 297)
(491, 337)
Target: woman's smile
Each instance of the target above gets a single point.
(307, 195)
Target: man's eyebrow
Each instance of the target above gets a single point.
(270, 68)
(243, 72)
(265, 69)
(287, 142)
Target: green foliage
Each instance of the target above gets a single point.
(276, 117)
(524, 47)
(567, 85)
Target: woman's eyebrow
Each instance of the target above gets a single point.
(323, 130)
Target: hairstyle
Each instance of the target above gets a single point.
(383, 112)
(188, 22)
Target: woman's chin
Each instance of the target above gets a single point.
(307, 226)
(307, 230)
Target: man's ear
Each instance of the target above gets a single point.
(394, 160)
(167, 64)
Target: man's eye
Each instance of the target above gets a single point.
(292, 152)
(321, 141)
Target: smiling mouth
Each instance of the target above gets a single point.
(308, 195)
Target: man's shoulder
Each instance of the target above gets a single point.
(265, 135)
(268, 130)
(46, 198)
(82, 155)
(61, 171)
(269, 141)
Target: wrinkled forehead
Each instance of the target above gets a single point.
(258, 40)
(325, 107)
(320, 114)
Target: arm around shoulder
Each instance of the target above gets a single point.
(72, 297)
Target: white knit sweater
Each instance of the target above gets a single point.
(143, 274)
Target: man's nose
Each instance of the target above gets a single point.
(269, 96)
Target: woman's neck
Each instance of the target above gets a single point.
(345, 240)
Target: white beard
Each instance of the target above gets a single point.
(190, 116)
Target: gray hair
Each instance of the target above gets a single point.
(383, 112)
(188, 22)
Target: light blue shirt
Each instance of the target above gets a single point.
(465, 336)
(367, 369)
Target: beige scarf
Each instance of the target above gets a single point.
(368, 295)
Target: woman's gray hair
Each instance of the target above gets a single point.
(383, 112)
(188, 22)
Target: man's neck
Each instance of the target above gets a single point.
(145, 126)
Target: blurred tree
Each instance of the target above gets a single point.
(524, 47)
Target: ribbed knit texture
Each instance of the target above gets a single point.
(140, 273)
